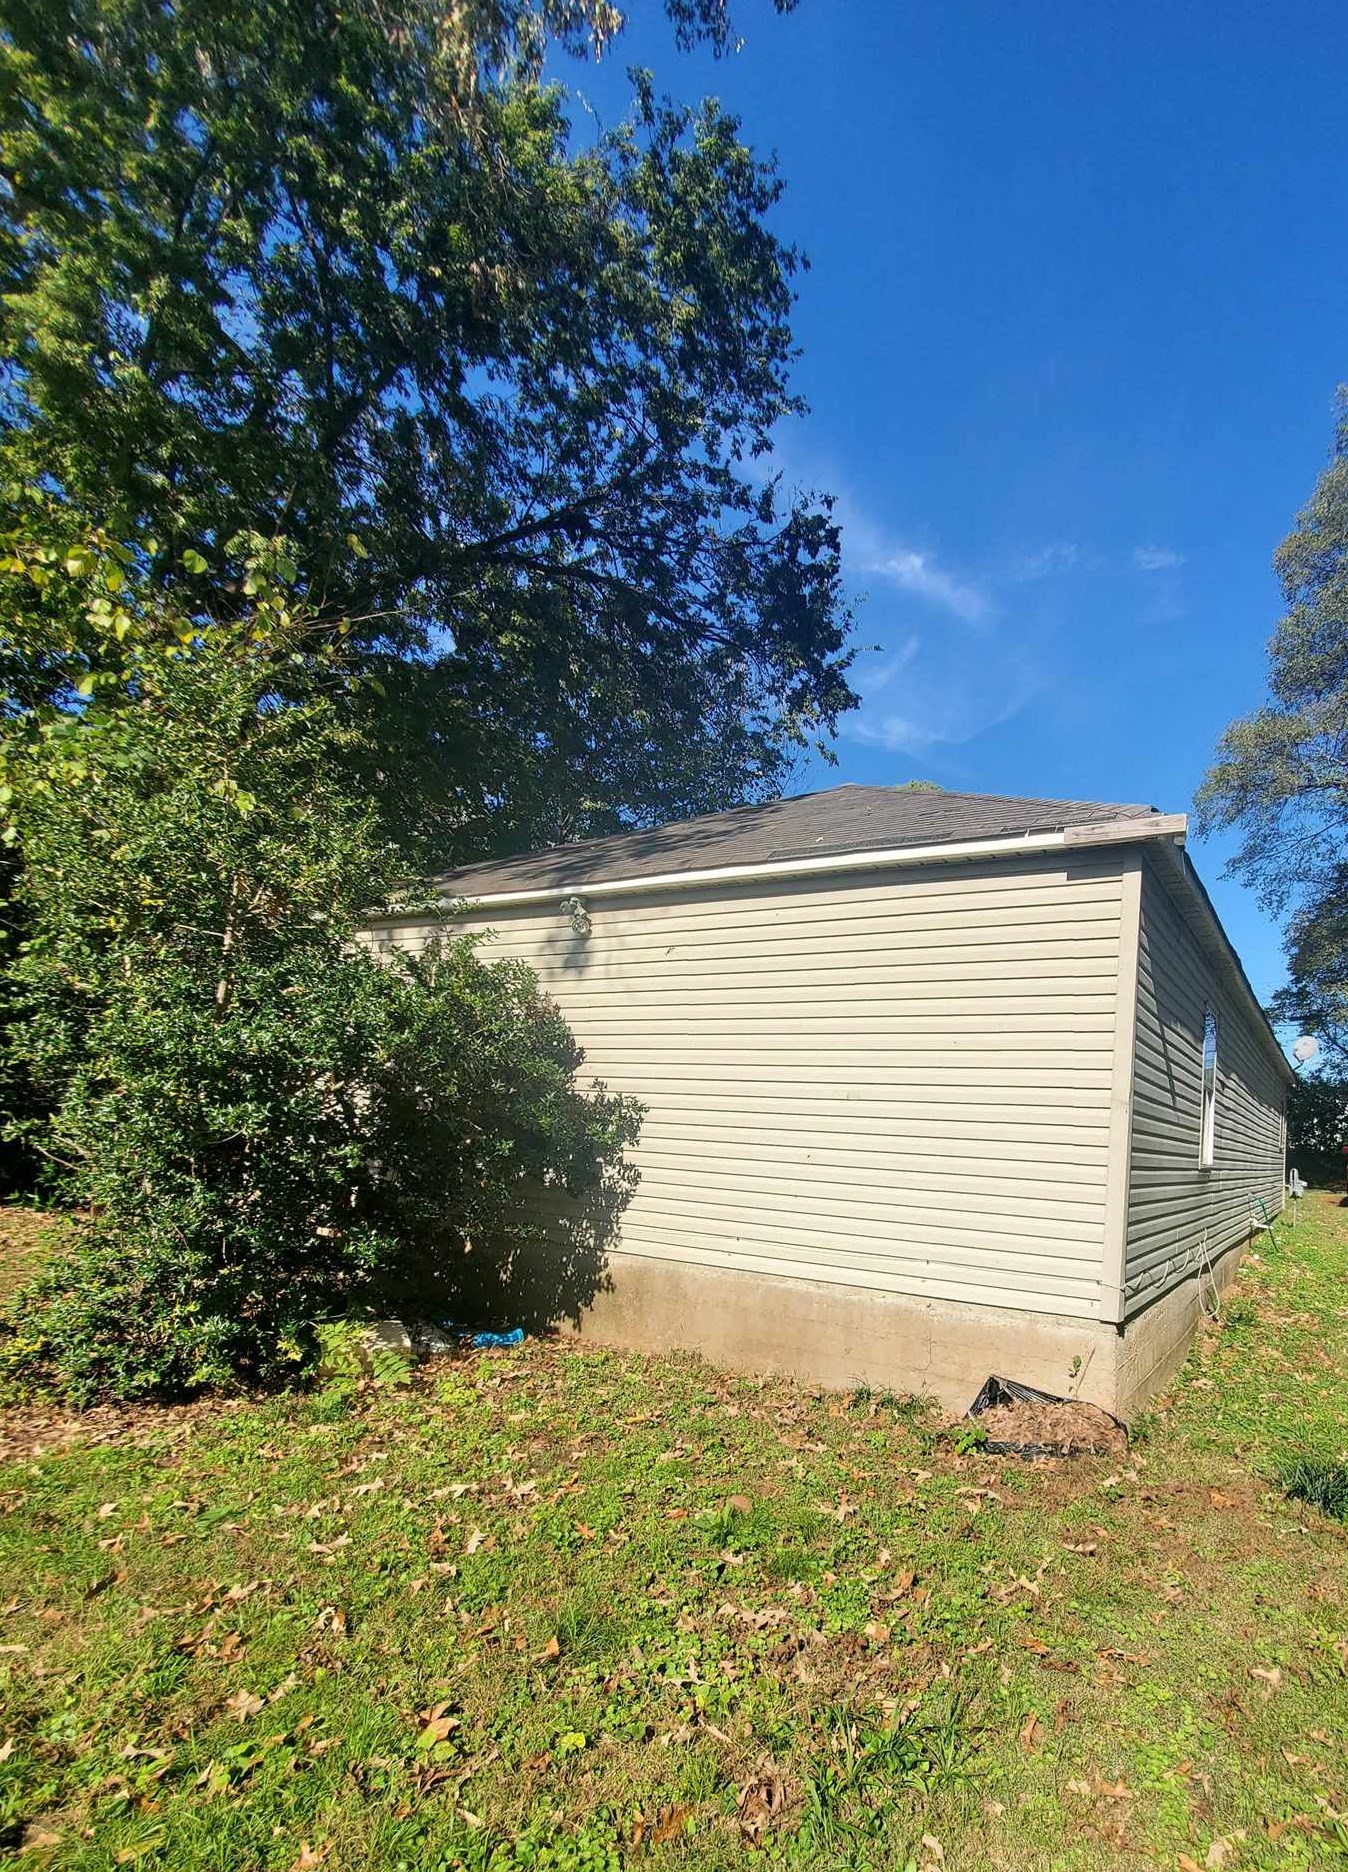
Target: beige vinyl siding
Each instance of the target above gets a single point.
(898, 1082)
(1177, 1210)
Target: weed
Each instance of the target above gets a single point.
(1324, 1485)
(968, 1437)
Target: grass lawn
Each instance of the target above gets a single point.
(575, 1609)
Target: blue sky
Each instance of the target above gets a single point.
(1070, 338)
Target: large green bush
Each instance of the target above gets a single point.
(259, 1120)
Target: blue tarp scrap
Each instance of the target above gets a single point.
(481, 1339)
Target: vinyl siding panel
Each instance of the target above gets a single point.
(900, 1083)
(1178, 1212)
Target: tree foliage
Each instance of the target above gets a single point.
(1317, 1128)
(348, 275)
(1281, 774)
(262, 1121)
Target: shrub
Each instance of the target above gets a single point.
(263, 1123)
(348, 1136)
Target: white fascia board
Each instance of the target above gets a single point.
(891, 858)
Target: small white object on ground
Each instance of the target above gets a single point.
(386, 1335)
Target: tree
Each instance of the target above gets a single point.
(261, 1121)
(347, 275)
(1317, 1128)
(1281, 774)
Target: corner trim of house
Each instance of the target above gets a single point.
(1118, 1160)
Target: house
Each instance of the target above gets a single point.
(938, 1084)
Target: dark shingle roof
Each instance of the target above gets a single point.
(842, 819)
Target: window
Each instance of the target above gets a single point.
(1208, 1135)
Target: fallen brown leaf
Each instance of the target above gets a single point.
(1220, 1851)
(762, 1799)
(669, 1825)
(311, 1856)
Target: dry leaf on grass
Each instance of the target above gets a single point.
(311, 1856)
(1221, 1850)
(762, 1800)
(244, 1704)
(666, 1826)
(1098, 1787)
(1031, 1733)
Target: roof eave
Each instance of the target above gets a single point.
(1182, 874)
(1156, 826)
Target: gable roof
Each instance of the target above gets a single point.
(812, 825)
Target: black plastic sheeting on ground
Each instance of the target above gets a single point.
(998, 1391)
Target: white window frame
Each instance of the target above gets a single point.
(1207, 1132)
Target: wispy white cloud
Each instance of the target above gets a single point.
(940, 714)
(897, 734)
(1156, 558)
(873, 550)
(927, 687)
(932, 693)
(1048, 561)
(918, 574)
(874, 680)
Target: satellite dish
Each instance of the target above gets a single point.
(1306, 1048)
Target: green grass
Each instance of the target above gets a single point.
(565, 1608)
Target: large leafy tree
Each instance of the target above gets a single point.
(344, 272)
(1281, 774)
